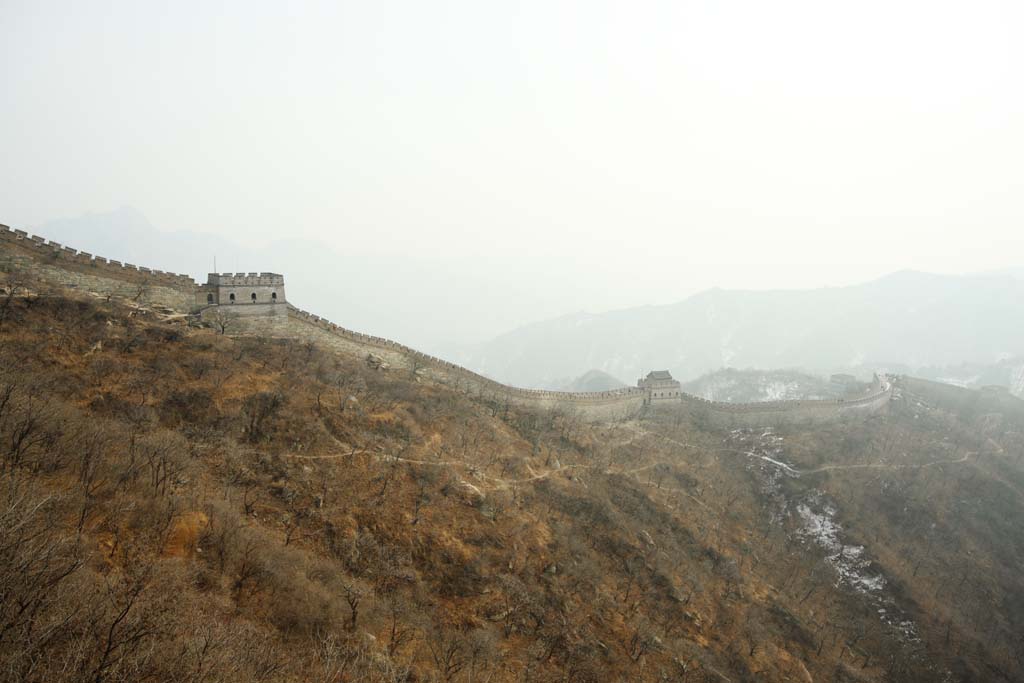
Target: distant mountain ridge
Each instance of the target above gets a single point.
(594, 380)
(751, 386)
(902, 322)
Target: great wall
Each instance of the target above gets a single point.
(271, 316)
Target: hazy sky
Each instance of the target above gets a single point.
(578, 154)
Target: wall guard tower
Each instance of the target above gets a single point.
(244, 293)
(660, 386)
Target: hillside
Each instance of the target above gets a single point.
(901, 323)
(181, 505)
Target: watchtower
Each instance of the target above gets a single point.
(660, 386)
(242, 289)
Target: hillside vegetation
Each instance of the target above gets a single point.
(179, 505)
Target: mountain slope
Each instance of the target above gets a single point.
(181, 505)
(902, 322)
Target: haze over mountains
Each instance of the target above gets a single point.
(906, 322)
(888, 324)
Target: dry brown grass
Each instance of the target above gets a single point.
(287, 515)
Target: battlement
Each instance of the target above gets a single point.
(660, 386)
(82, 270)
(66, 257)
(227, 289)
(245, 280)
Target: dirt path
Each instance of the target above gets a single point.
(330, 456)
(886, 466)
(501, 483)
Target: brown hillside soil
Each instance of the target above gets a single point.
(176, 505)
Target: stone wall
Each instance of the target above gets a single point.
(249, 310)
(775, 413)
(304, 326)
(602, 405)
(80, 270)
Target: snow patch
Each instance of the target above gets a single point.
(848, 561)
(765, 446)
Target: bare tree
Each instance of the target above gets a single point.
(397, 615)
(121, 628)
(259, 408)
(481, 655)
(38, 566)
(448, 651)
(222, 319)
(13, 285)
(142, 292)
(353, 593)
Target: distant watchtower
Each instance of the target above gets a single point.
(660, 386)
(242, 290)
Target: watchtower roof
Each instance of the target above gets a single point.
(659, 374)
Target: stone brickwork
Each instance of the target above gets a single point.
(243, 289)
(660, 387)
(80, 270)
(271, 316)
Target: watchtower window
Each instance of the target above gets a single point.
(232, 297)
(209, 298)
(273, 297)
(254, 297)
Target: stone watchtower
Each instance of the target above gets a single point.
(245, 293)
(660, 386)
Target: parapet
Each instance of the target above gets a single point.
(245, 279)
(58, 254)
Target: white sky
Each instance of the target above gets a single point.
(563, 146)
